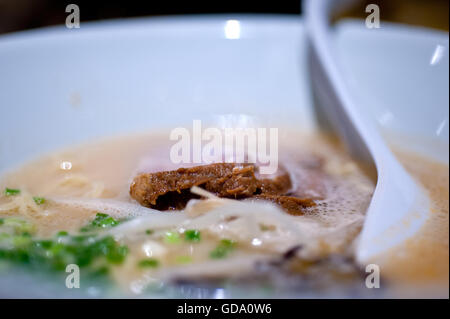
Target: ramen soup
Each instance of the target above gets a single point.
(121, 211)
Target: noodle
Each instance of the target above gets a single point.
(77, 181)
(22, 204)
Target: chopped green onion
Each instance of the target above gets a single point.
(11, 191)
(172, 237)
(96, 253)
(184, 259)
(218, 253)
(4, 236)
(117, 255)
(39, 200)
(149, 231)
(21, 240)
(104, 220)
(223, 249)
(266, 227)
(148, 263)
(19, 226)
(192, 235)
(228, 243)
(100, 221)
(62, 233)
(1, 221)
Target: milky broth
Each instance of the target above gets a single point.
(421, 264)
(319, 168)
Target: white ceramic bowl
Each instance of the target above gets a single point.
(62, 86)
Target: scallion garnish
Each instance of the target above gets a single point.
(192, 235)
(148, 263)
(100, 221)
(172, 237)
(184, 259)
(62, 233)
(90, 251)
(223, 249)
(11, 191)
(39, 200)
(104, 220)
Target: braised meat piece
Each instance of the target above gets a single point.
(224, 180)
(293, 205)
(171, 189)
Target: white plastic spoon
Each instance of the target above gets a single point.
(399, 205)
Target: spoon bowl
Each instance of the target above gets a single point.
(399, 205)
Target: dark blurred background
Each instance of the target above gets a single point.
(18, 15)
